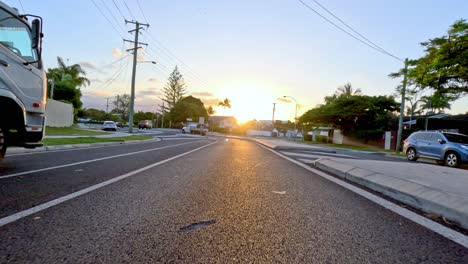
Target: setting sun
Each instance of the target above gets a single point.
(250, 101)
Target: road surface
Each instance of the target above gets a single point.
(227, 201)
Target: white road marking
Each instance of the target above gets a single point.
(93, 160)
(283, 192)
(317, 154)
(429, 224)
(41, 207)
(75, 149)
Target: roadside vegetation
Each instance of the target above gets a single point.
(72, 131)
(89, 140)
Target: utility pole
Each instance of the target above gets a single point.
(162, 118)
(402, 107)
(273, 118)
(135, 54)
(107, 104)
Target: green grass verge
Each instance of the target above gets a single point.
(88, 140)
(71, 131)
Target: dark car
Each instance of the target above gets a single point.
(450, 148)
(119, 124)
(145, 124)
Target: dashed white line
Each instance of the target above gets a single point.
(92, 160)
(41, 207)
(429, 224)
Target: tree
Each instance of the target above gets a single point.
(140, 115)
(188, 107)
(444, 66)
(360, 116)
(67, 82)
(210, 110)
(436, 102)
(174, 89)
(121, 105)
(347, 90)
(226, 103)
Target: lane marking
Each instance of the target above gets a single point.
(41, 207)
(93, 160)
(75, 149)
(429, 224)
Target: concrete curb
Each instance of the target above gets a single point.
(452, 206)
(74, 146)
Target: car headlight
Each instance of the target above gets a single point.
(464, 147)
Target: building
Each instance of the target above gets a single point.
(223, 121)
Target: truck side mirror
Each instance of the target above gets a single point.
(441, 141)
(36, 34)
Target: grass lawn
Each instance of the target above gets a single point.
(87, 140)
(347, 146)
(70, 131)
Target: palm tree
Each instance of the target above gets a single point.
(210, 110)
(347, 90)
(435, 103)
(226, 103)
(74, 74)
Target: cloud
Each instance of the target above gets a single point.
(149, 92)
(98, 94)
(202, 94)
(284, 100)
(211, 101)
(152, 80)
(116, 53)
(87, 65)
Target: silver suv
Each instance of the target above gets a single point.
(449, 148)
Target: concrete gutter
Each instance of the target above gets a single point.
(447, 204)
(75, 146)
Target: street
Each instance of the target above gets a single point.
(228, 201)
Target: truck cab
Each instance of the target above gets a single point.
(22, 80)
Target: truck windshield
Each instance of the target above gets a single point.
(16, 36)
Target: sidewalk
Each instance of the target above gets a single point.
(431, 188)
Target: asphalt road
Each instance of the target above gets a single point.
(232, 201)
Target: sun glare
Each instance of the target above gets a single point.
(248, 101)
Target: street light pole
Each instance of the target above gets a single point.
(295, 113)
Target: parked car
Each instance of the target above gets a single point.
(109, 125)
(449, 148)
(145, 124)
(119, 124)
(195, 129)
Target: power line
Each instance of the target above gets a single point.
(344, 23)
(143, 13)
(108, 20)
(109, 64)
(118, 9)
(346, 32)
(21, 4)
(112, 14)
(129, 11)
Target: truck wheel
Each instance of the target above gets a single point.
(2, 145)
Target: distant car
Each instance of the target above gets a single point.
(195, 129)
(119, 124)
(145, 124)
(449, 148)
(109, 125)
(186, 130)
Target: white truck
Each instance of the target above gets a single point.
(22, 80)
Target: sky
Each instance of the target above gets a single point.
(253, 52)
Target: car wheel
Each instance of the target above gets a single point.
(2, 145)
(411, 154)
(452, 159)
